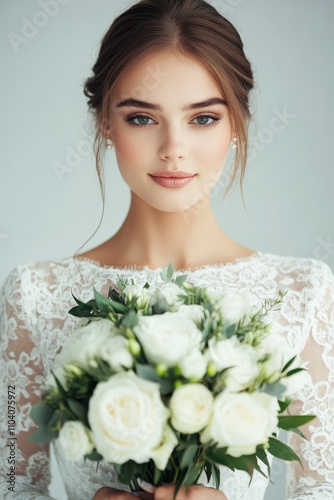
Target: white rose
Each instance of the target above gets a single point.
(194, 365)
(171, 292)
(235, 305)
(161, 454)
(127, 418)
(86, 343)
(167, 338)
(191, 407)
(242, 357)
(194, 312)
(280, 353)
(144, 295)
(241, 422)
(116, 353)
(75, 440)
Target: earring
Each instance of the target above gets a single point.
(108, 144)
(234, 143)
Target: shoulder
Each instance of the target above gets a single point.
(38, 272)
(35, 280)
(307, 269)
(310, 277)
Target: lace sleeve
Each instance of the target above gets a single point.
(25, 473)
(316, 482)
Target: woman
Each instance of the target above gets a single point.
(170, 92)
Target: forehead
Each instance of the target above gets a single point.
(167, 74)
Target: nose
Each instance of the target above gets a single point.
(172, 146)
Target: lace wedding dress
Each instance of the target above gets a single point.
(35, 323)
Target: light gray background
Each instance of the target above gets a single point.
(289, 182)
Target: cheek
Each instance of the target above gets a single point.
(213, 146)
(129, 148)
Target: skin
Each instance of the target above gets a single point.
(169, 225)
(197, 492)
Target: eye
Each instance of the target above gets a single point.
(216, 120)
(130, 119)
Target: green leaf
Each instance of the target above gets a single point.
(42, 436)
(94, 456)
(262, 455)
(296, 370)
(181, 279)
(275, 389)
(216, 455)
(170, 272)
(284, 405)
(193, 475)
(79, 411)
(216, 476)
(41, 413)
(147, 372)
(290, 422)
(60, 388)
(288, 364)
(282, 451)
(188, 456)
(230, 330)
(157, 475)
(130, 320)
(128, 472)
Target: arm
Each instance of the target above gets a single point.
(24, 464)
(316, 482)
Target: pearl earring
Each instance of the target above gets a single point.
(108, 144)
(234, 143)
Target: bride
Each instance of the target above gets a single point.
(170, 92)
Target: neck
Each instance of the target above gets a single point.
(154, 238)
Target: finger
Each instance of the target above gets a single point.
(149, 488)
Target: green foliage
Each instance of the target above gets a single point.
(69, 401)
(282, 451)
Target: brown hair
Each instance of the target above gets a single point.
(193, 28)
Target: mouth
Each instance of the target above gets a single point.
(177, 174)
(172, 180)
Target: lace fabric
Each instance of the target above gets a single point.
(34, 304)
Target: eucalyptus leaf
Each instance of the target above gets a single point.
(42, 436)
(41, 413)
(147, 372)
(170, 272)
(130, 320)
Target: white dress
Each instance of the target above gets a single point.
(35, 323)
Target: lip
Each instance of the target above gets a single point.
(173, 181)
(174, 175)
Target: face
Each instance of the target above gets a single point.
(169, 151)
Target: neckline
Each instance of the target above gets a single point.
(133, 267)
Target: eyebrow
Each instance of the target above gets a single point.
(147, 105)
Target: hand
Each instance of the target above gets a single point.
(112, 494)
(196, 492)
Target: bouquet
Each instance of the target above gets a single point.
(168, 382)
